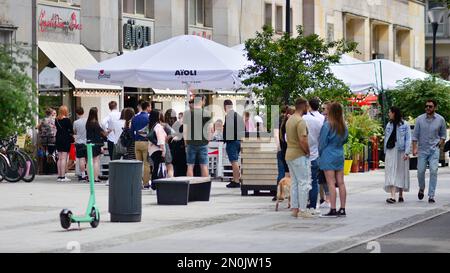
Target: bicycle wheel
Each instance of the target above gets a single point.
(30, 170)
(15, 169)
(3, 165)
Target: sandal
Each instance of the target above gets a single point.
(390, 200)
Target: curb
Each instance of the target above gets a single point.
(373, 234)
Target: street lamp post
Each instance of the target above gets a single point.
(435, 15)
(288, 30)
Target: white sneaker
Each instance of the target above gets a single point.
(59, 180)
(65, 179)
(306, 214)
(314, 211)
(325, 205)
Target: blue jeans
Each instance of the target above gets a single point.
(314, 192)
(281, 170)
(301, 182)
(433, 160)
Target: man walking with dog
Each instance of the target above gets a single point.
(297, 158)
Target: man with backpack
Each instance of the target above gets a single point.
(233, 130)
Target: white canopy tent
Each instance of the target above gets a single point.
(376, 74)
(183, 62)
(363, 76)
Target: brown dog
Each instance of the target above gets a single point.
(283, 192)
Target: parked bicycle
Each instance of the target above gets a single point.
(15, 164)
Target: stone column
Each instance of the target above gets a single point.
(169, 19)
(100, 33)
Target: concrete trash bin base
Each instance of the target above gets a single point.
(125, 190)
(181, 190)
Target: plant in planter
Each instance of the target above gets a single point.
(360, 128)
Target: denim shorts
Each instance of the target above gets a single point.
(197, 154)
(233, 149)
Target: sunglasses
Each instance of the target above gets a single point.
(429, 106)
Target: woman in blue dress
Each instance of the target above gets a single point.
(333, 136)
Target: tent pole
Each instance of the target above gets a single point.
(187, 97)
(383, 97)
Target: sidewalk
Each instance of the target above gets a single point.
(29, 220)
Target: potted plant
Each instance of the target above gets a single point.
(360, 128)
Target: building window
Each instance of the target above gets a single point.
(268, 14)
(279, 19)
(330, 32)
(380, 41)
(291, 21)
(140, 7)
(200, 13)
(403, 46)
(5, 37)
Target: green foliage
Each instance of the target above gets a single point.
(17, 91)
(289, 67)
(411, 96)
(360, 128)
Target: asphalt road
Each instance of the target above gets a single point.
(432, 236)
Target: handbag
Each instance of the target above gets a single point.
(162, 171)
(152, 136)
(119, 149)
(447, 146)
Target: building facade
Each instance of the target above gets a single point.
(391, 29)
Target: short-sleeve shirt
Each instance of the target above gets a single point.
(80, 130)
(197, 122)
(295, 127)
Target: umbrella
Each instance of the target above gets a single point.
(182, 62)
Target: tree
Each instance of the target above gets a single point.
(411, 96)
(17, 91)
(289, 67)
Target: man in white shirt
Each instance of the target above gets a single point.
(314, 122)
(109, 125)
(79, 129)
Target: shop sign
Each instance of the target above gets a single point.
(136, 36)
(54, 21)
(186, 73)
(205, 33)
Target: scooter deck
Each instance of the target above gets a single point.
(81, 219)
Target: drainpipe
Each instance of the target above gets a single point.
(120, 27)
(120, 32)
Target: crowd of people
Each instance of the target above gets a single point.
(311, 153)
(168, 144)
(310, 146)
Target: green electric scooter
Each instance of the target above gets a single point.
(92, 215)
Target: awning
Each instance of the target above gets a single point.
(183, 92)
(69, 57)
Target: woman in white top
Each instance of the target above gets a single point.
(157, 142)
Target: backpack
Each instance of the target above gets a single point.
(46, 133)
(126, 138)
